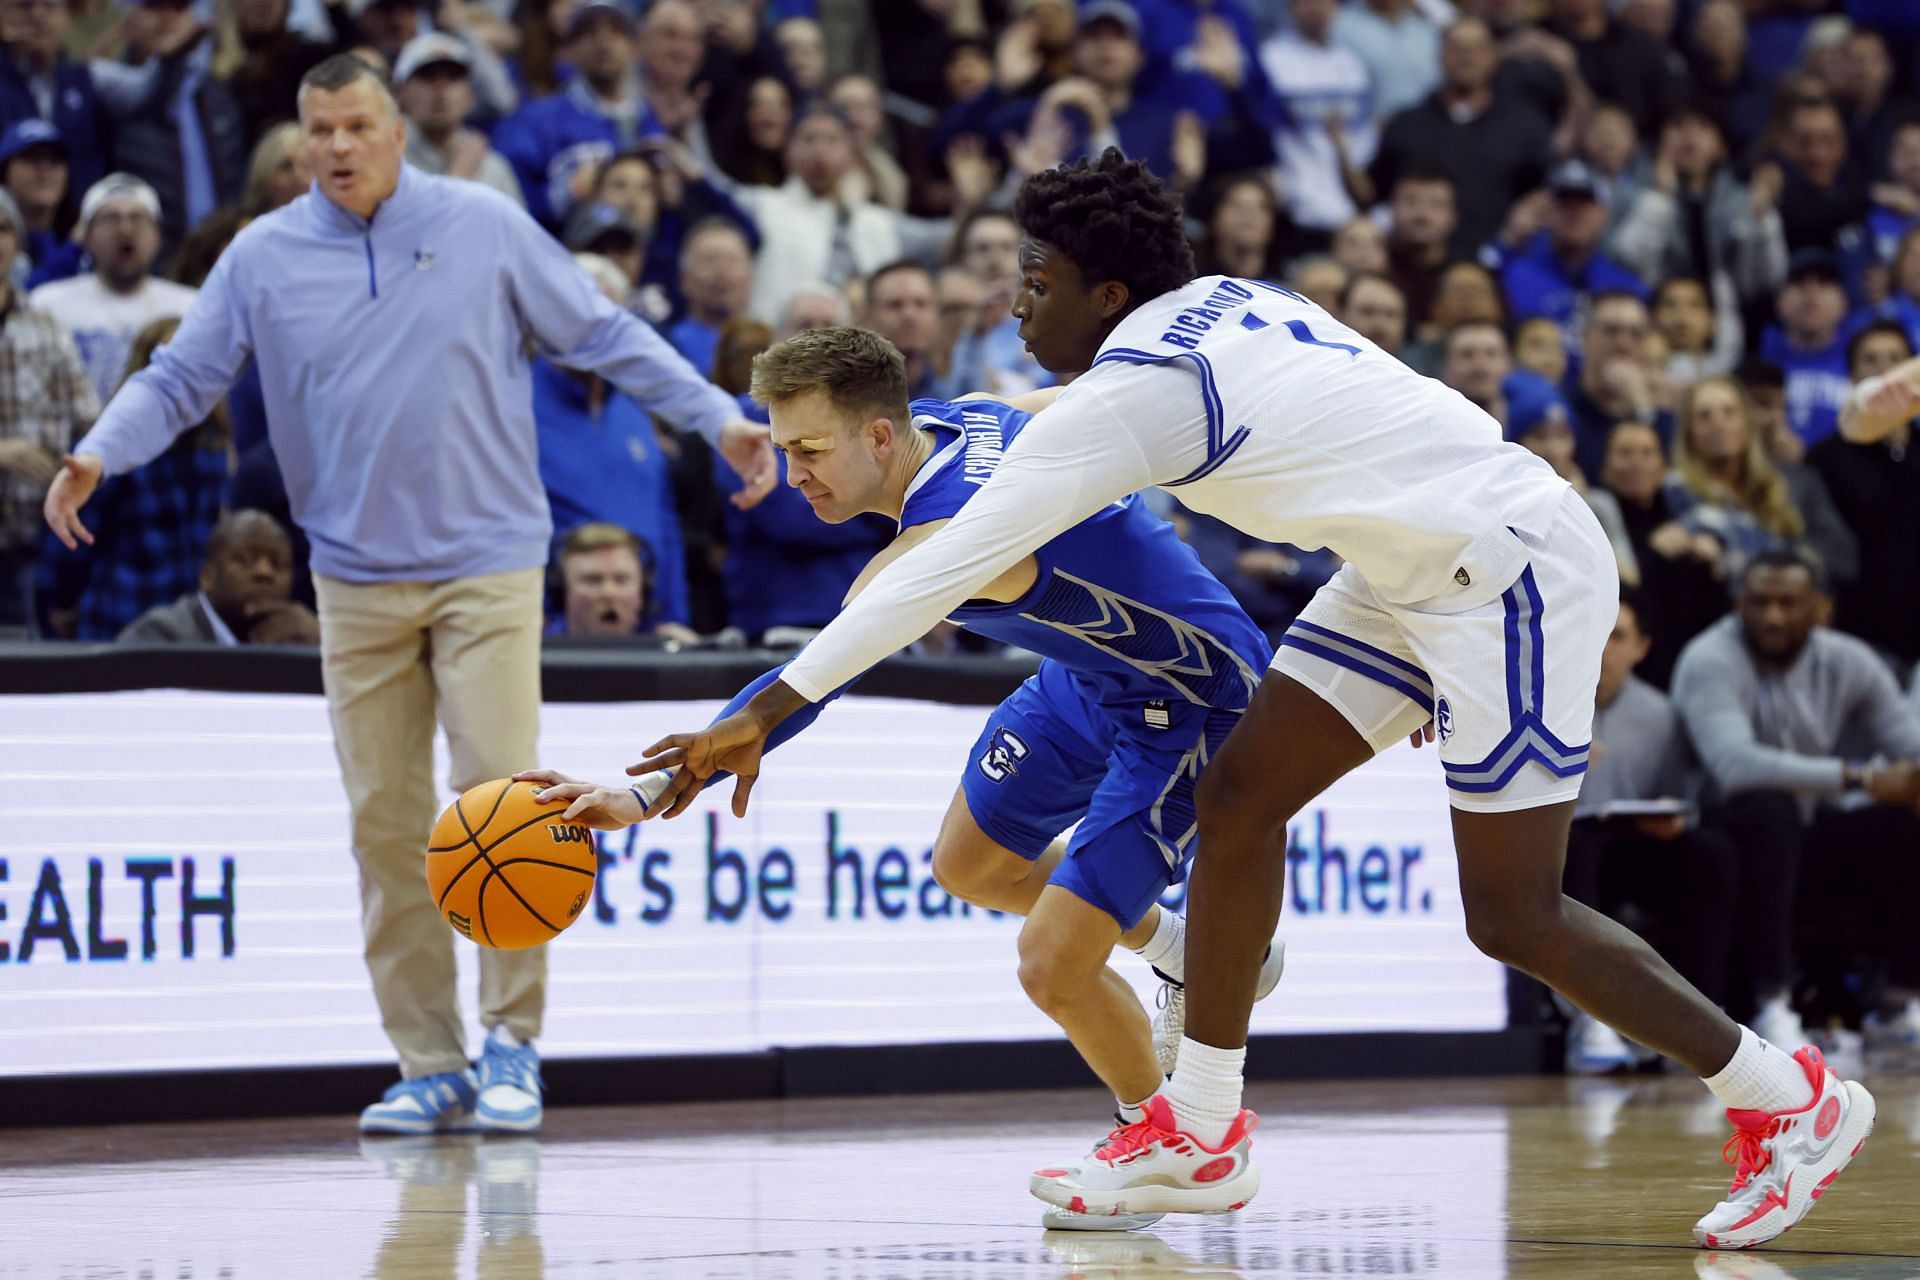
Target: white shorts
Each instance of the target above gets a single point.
(1509, 685)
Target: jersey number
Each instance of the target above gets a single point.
(1298, 328)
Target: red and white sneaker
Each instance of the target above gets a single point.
(1785, 1160)
(1152, 1166)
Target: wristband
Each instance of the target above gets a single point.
(650, 788)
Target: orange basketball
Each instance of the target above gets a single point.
(506, 871)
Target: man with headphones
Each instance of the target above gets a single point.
(601, 584)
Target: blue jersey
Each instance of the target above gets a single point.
(1120, 599)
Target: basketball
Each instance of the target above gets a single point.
(505, 871)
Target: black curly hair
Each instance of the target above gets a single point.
(1113, 219)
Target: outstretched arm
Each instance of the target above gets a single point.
(1882, 405)
(1076, 457)
(612, 808)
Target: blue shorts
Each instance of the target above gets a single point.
(1052, 754)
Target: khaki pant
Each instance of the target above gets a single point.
(393, 655)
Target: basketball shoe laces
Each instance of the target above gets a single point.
(1748, 1153)
(504, 1064)
(1131, 1141)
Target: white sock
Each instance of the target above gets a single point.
(1761, 1077)
(1130, 1112)
(1205, 1089)
(502, 1034)
(1166, 950)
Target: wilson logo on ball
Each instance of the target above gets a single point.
(460, 922)
(570, 835)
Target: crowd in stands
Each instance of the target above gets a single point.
(1658, 241)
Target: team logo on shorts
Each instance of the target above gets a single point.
(1005, 751)
(1443, 719)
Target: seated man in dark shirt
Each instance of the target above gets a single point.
(245, 595)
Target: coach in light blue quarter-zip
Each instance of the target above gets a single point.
(388, 311)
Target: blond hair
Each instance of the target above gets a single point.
(1759, 489)
(860, 372)
(597, 535)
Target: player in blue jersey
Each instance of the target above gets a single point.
(1148, 663)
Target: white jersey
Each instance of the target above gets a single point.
(1251, 404)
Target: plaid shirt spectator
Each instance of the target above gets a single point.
(45, 398)
(150, 528)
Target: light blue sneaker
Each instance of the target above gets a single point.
(424, 1104)
(510, 1085)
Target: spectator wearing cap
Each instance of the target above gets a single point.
(387, 312)
(603, 460)
(604, 231)
(1814, 761)
(1558, 270)
(434, 81)
(262, 63)
(45, 403)
(34, 170)
(104, 309)
(1808, 342)
(1116, 97)
(1611, 384)
(244, 594)
(1400, 46)
(1619, 62)
(1695, 218)
(151, 528)
(1820, 196)
(716, 279)
(1538, 421)
(1325, 120)
(554, 143)
(1876, 488)
(1495, 149)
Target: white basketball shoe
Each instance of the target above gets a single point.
(1784, 1161)
(1153, 1166)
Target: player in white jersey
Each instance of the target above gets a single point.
(1477, 595)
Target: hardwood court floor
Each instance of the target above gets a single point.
(1483, 1178)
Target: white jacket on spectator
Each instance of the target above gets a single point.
(797, 241)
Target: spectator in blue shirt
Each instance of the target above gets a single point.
(151, 528)
(1561, 268)
(1896, 202)
(34, 170)
(716, 278)
(1611, 384)
(39, 81)
(555, 142)
(1155, 114)
(1810, 343)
